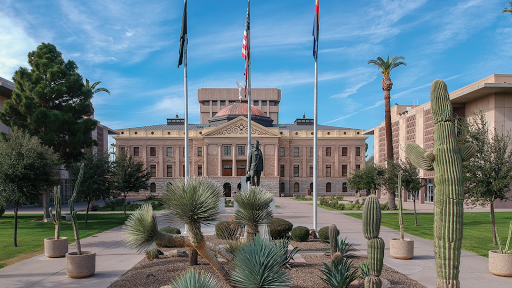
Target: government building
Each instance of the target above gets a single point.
(218, 146)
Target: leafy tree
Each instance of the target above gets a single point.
(26, 168)
(488, 175)
(411, 182)
(128, 175)
(386, 66)
(50, 102)
(369, 178)
(507, 9)
(95, 183)
(390, 179)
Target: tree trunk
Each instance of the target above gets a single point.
(124, 204)
(15, 224)
(46, 211)
(493, 223)
(87, 211)
(414, 203)
(192, 256)
(387, 85)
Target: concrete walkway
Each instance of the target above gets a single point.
(474, 269)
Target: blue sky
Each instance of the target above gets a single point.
(132, 47)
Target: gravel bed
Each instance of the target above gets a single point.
(311, 245)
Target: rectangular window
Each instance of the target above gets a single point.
(358, 167)
(281, 151)
(281, 171)
(310, 151)
(222, 103)
(228, 170)
(135, 151)
(327, 170)
(199, 170)
(123, 150)
(183, 154)
(152, 170)
(344, 187)
(199, 151)
(263, 103)
(358, 151)
(183, 171)
(310, 170)
(344, 151)
(169, 151)
(328, 151)
(214, 103)
(227, 150)
(169, 170)
(152, 151)
(343, 170)
(241, 150)
(272, 103)
(206, 103)
(256, 102)
(295, 170)
(296, 152)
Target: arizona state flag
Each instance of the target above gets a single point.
(316, 27)
(183, 37)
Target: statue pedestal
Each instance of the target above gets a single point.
(222, 205)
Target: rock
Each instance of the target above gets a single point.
(177, 253)
(385, 283)
(312, 234)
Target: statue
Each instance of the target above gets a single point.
(240, 88)
(255, 164)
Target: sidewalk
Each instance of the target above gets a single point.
(474, 269)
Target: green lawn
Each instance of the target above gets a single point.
(477, 228)
(31, 234)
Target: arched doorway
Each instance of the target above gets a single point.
(239, 187)
(227, 190)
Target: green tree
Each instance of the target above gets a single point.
(95, 184)
(369, 178)
(411, 182)
(386, 66)
(26, 168)
(128, 175)
(390, 179)
(488, 175)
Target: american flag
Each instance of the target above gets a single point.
(245, 47)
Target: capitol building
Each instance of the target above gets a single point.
(218, 146)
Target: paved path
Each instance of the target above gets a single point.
(474, 269)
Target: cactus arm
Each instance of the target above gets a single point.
(498, 240)
(57, 216)
(333, 239)
(467, 152)
(419, 157)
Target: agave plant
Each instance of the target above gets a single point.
(364, 270)
(253, 209)
(192, 278)
(260, 264)
(340, 274)
(344, 247)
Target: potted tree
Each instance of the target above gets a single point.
(500, 261)
(56, 246)
(79, 264)
(401, 248)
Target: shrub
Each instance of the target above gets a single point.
(323, 234)
(300, 234)
(279, 228)
(168, 230)
(227, 230)
(112, 204)
(384, 206)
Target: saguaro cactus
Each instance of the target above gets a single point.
(73, 212)
(375, 246)
(333, 239)
(57, 216)
(446, 160)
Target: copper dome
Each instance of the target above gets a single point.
(240, 109)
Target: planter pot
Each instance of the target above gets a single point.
(500, 264)
(55, 248)
(401, 249)
(80, 266)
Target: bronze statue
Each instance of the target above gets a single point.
(255, 164)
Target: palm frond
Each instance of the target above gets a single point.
(387, 65)
(253, 206)
(340, 274)
(142, 228)
(194, 279)
(101, 90)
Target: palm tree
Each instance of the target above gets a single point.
(386, 66)
(92, 87)
(508, 10)
(253, 209)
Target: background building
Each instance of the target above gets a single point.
(218, 147)
(413, 123)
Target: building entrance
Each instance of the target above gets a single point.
(430, 191)
(227, 190)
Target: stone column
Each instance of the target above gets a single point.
(178, 162)
(160, 170)
(233, 154)
(305, 163)
(142, 150)
(220, 159)
(205, 155)
(336, 160)
(352, 165)
(321, 168)
(276, 157)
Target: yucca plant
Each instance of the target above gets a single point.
(259, 264)
(253, 209)
(194, 279)
(340, 274)
(506, 249)
(344, 247)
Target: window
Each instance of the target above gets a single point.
(169, 170)
(169, 151)
(281, 187)
(123, 150)
(281, 151)
(183, 154)
(206, 103)
(296, 152)
(358, 151)
(344, 151)
(152, 170)
(183, 171)
(241, 150)
(281, 171)
(295, 170)
(343, 170)
(152, 151)
(310, 170)
(135, 151)
(222, 103)
(311, 186)
(214, 103)
(272, 103)
(256, 102)
(328, 187)
(328, 151)
(310, 151)
(227, 150)
(199, 170)
(199, 151)
(295, 187)
(344, 187)
(358, 167)
(263, 103)
(327, 170)
(153, 188)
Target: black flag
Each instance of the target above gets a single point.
(183, 36)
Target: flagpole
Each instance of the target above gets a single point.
(249, 103)
(186, 107)
(315, 150)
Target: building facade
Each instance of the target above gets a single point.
(218, 147)
(413, 124)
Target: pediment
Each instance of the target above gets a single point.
(238, 128)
